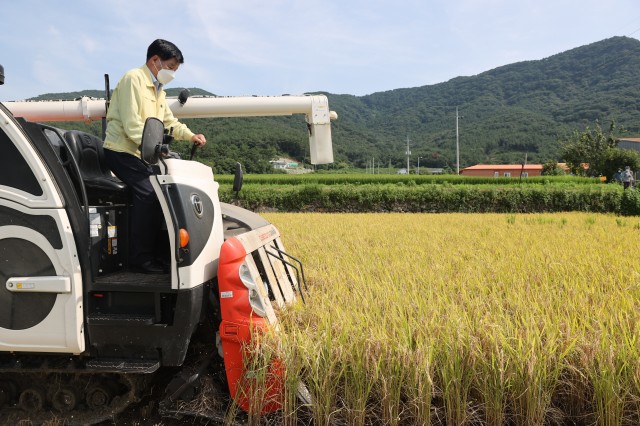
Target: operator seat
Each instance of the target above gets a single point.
(89, 154)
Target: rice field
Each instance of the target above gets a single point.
(464, 319)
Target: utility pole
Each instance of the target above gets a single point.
(457, 145)
(408, 154)
(418, 171)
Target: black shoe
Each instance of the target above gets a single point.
(148, 267)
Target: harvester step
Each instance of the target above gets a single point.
(123, 365)
(120, 319)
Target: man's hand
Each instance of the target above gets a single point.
(199, 139)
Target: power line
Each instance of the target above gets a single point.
(630, 23)
(633, 32)
(621, 59)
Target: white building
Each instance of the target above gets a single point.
(284, 163)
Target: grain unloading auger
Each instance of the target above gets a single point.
(80, 334)
(314, 107)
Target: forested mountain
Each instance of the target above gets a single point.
(505, 113)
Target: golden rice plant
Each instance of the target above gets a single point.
(465, 319)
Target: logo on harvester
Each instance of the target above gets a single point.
(267, 234)
(198, 207)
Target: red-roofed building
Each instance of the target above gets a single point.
(506, 170)
(503, 170)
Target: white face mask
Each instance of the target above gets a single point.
(164, 75)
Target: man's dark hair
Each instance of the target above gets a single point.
(165, 50)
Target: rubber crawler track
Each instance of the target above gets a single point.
(81, 397)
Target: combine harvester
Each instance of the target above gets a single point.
(82, 336)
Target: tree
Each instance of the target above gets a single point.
(590, 147)
(551, 168)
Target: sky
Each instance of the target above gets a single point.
(273, 47)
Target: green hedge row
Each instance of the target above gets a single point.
(410, 180)
(435, 198)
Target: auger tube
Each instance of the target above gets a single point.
(314, 107)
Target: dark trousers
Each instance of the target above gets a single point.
(145, 215)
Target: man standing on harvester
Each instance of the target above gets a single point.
(138, 96)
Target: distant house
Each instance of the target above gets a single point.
(506, 170)
(283, 164)
(503, 170)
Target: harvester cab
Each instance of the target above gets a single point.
(81, 335)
